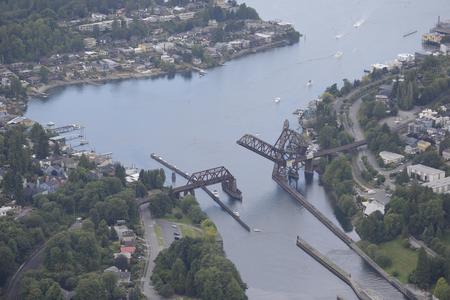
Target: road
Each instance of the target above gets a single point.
(153, 248)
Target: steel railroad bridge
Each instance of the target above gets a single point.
(210, 177)
(290, 151)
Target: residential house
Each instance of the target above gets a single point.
(425, 173)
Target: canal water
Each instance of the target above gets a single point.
(195, 123)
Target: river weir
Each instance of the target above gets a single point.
(196, 121)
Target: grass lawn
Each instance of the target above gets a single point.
(404, 260)
(172, 218)
(190, 231)
(159, 235)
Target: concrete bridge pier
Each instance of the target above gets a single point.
(230, 187)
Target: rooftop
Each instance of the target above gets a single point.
(438, 183)
(424, 169)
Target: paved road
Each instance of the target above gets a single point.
(153, 250)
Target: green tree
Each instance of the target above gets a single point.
(43, 73)
(39, 138)
(442, 289)
(7, 264)
(423, 272)
(54, 292)
(178, 276)
(90, 288)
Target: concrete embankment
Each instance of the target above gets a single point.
(405, 290)
(344, 276)
(216, 199)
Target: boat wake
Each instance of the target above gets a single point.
(359, 23)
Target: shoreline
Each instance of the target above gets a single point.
(47, 90)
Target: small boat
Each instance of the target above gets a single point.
(256, 230)
(338, 54)
(202, 72)
(358, 24)
(236, 213)
(277, 99)
(50, 124)
(309, 83)
(339, 36)
(83, 142)
(216, 193)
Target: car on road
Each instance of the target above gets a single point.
(176, 237)
(176, 234)
(173, 226)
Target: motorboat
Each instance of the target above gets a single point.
(236, 213)
(216, 193)
(338, 54)
(277, 99)
(309, 83)
(256, 230)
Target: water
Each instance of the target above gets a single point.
(195, 123)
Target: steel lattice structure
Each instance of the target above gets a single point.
(205, 178)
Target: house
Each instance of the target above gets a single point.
(391, 157)
(89, 43)
(127, 249)
(4, 210)
(123, 277)
(425, 173)
(423, 145)
(440, 186)
(373, 206)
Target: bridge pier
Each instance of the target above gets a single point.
(230, 187)
(309, 170)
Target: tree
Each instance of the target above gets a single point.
(43, 73)
(109, 281)
(178, 276)
(13, 185)
(40, 141)
(90, 288)
(119, 172)
(54, 292)
(423, 272)
(442, 289)
(121, 262)
(160, 204)
(7, 264)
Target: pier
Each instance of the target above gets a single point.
(333, 268)
(291, 147)
(203, 187)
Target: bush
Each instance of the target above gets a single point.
(405, 243)
(178, 215)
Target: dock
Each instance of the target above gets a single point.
(205, 189)
(333, 268)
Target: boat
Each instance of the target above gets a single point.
(339, 36)
(216, 193)
(50, 124)
(358, 24)
(309, 83)
(236, 213)
(202, 72)
(83, 142)
(277, 99)
(256, 230)
(338, 54)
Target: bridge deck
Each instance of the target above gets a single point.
(207, 191)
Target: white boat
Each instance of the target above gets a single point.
(277, 99)
(202, 72)
(83, 142)
(339, 36)
(50, 124)
(309, 83)
(359, 23)
(236, 213)
(338, 54)
(216, 193)
(256, 230)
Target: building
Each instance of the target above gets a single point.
(446, 154)
(425, 173)
(89, 43)
(373, 206)
(4, 210)
(391, 157)
(440, 186)
(423, 145)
